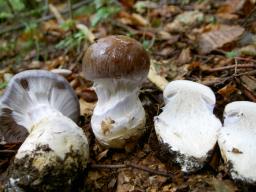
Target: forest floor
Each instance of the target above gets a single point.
(212, 42)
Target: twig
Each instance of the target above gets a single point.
(56, 13)
(10, 7)
(245, 59)
(8, 151)
(223, 80)
(48, 17)
(236, 66)
(247, 92)
(107, 166)
(153, 171)
(156, 79)
(70, 9)
(132, 165)
(235, 73)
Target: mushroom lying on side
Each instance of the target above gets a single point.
(187, 128)
(237, 140)
(56, 150)
(118, 65)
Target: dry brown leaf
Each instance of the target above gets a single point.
(219, 37)
(102, 154)
(184, 21)
(139, 20)
(184, 57)
(227, 90)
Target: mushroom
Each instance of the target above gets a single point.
(55, 152)
(187, 129)
(237, 140)
(118, 65)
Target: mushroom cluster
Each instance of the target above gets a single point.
(40, 109)
(42, 106)
(117, 65)
(187, 128)
(237, 140)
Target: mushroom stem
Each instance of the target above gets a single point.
(119, 114)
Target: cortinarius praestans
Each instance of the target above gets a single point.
(237, 140)
(187, 128)
(118, 65)
(56, 150)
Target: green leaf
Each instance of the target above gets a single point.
(103, 13)
(3, 85)
(17, 5)
(71, 41)
(67, 25)
(5, 15)
(232, 54)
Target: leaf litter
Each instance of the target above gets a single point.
(211, 42)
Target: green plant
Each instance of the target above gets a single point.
(3, 85)
(104, 10)
(232, 54)
(72, 41)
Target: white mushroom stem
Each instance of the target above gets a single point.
(119, 114)
(56, 147)
(237, 140)
(187, 124)
(60, 134)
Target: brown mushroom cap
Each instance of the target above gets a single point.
(116, 57)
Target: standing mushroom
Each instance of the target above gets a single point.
(187, 128)
(237, 140)
(56, 150)
(118, 65)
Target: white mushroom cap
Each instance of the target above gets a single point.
(34, 94)
(237, 140)
(190, 87)
(187, 125)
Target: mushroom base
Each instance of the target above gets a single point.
(188, 164)
(129, 136)
(55, 175)
(237, 177)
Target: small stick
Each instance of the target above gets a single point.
(8, 151)
(156, 79)
(56, 13)
(235, 73)
(107, 166)
(245, 59)
(223, 80)
(143, 168)
(10, 7)
(247, 92)
(132, 165)
(70, 9)
(236, 66)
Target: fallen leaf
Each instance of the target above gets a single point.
(184, 21)
(139, 20)
(102, 154)
(184, 57)
(218, 37)
(227, 90)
